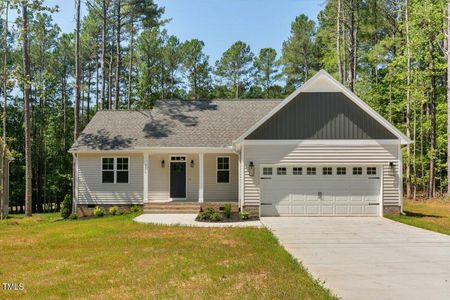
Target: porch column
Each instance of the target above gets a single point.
(200, 177)
(145, 177)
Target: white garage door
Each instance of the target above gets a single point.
(320, 191)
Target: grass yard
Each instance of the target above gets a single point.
(113, 257)
(429, 214)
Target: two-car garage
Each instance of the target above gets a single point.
(312, 190)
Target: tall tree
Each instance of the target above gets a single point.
(196, 65)
(267, 67)
(26, 108)
(236, 67)
(299, 50)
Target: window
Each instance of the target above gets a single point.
(341, 170)
(115, 169)
(327, 171)
(122, 170)
(281, 171)
(267, 171)
(108, 170)
(297, 171)
(223, 170)
(357, 171)
(371, 171)
(310, 171)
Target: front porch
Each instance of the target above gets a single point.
(180, 180)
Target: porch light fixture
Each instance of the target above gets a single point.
(391, 164)
(251, 169)
(192, 163)
(163, 163)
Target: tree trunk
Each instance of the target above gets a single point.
(96, 80)
(118, 67)
(4, 204)
(77, 92)
(408, 104)
(77, 73)
(105, 4)
(431, 181)
(351, 45)
(448, 98)
(26, 109)
(130, 65)
(338, 39)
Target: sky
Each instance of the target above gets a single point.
(220, 23)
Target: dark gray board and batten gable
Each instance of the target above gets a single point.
(321, 115)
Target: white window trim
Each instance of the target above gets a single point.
(376, 172)
(229, 169)
(355, 167)
(327, 173)
(114, 170)
(312, 168)
(301, 171)
(344, 168)
(281, 167)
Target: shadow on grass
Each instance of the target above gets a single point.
(420, 215)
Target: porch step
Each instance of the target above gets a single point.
(171, 208)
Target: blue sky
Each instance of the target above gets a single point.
(219, 23)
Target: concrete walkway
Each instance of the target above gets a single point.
(369, 258)
(189, 220)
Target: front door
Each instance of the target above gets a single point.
(178, 180)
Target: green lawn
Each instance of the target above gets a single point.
(429, 214)
(113, 257)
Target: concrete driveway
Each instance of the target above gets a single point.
(368, 258)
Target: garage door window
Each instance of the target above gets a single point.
(267, 171)
(310, 171)
(357, 171)
(297, 171)
(327, 171)
(371, 171)
(341, 171)
(281, 171)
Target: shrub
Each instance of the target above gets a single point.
(114, 210)
(66, 207)
(135, 208)
(215, 217)
(227, 210)
(98, 211)
(206, 214)
(73, 217)
(244, 215)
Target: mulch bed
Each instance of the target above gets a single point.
(233, 218)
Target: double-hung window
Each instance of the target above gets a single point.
(223, 169)
(115, 169)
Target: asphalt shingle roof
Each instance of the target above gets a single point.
(173, 123)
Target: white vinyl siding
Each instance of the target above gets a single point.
(91, 190)
(322, 154)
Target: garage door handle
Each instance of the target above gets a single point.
(266, 178)
(262, 203)
(374, 203)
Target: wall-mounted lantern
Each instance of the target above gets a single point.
(391, 164)
(251, 169)
(192, 163)
(163, 163)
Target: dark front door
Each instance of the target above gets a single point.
(178, 180)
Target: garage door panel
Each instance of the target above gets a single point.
(318, 195)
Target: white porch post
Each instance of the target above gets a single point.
(200, 177)
(145, 177)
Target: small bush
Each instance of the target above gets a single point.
(215, 217)
(66, 207)
(98, 211)
(244, 215)
(120, 212)
(135, 208)
(114, 210)
(227, 210)
(73, 217)
(206, 214)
